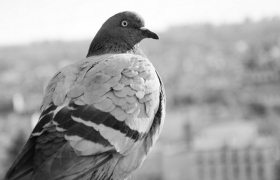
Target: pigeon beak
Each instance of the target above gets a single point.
(149, 34)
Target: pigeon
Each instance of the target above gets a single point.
(100, 116)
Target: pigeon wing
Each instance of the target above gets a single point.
(94, 112)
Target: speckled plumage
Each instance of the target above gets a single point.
(100, 118)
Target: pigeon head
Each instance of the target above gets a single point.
(127, 25)
(120, 34)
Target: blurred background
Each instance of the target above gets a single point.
(219, 60)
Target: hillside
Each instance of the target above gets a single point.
(211, 74)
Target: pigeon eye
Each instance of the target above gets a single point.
(124, 23)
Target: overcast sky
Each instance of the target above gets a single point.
(25, 21)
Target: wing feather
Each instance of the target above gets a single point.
(23, 164)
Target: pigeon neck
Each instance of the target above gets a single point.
(108, 45)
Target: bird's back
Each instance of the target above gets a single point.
(100, 117)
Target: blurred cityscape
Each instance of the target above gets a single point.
(223, 99)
